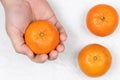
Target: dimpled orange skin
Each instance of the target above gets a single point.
(94, 60)
(41, 37)
(102, 20)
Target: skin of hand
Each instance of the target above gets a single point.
(19, 14)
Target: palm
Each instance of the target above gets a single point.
(20, 16)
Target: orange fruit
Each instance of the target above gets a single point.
(41, 37)
(94, 60)
(102, 20)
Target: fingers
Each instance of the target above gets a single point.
(40, 58)
(60, 48)
(53, 55)
(44, 57)
(63, 35)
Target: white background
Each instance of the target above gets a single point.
(71, 14)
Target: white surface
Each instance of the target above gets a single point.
(72, 14)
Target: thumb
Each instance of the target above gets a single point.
(18, 41)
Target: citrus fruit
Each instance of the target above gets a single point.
(102, 20)
(94, 60)
(41, 37)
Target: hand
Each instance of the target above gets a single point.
(19, 14)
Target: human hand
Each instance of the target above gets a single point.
(19, 14)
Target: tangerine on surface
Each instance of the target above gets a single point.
(102, 20)
(41, 37)
(94, 60)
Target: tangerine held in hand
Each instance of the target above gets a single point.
(41, 37)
